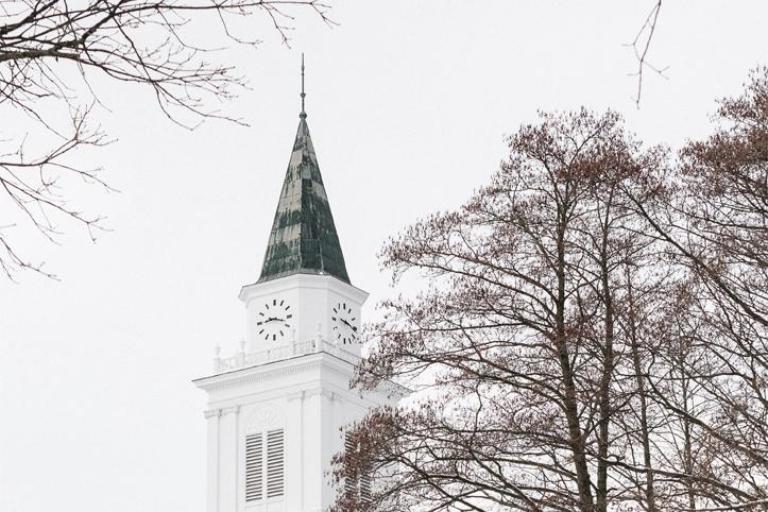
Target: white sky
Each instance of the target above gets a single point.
(408, 106)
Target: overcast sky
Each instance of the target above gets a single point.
(408, 105)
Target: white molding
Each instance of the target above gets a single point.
(305, 281)
(275, 370)
(212, 413)
(267, 416)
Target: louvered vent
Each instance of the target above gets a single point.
(365, 487)
(359, 487)
(275, 463)
(350, 484)
(254, 467)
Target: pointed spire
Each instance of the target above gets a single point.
(303, 114)
(303, 239)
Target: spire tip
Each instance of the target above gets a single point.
(303, 114)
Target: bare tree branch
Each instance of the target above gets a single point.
(640, 46)
(50, 52)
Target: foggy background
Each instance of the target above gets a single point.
(408, 104)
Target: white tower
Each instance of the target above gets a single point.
(276, 409)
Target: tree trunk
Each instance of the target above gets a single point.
(583, 481)
(650, 493)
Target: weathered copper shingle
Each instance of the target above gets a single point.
(303, 237)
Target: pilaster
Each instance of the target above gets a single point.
(213, 419)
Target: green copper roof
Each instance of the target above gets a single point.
(303, 237)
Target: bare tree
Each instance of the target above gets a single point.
(51, 54)
(716, 224)
(517, 341)
(594, 333)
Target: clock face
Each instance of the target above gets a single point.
(275, 320)
(343, 322)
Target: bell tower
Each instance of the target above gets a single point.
(277, 408)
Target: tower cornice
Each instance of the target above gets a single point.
(305, 281)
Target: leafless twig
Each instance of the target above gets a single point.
(640, 46)
(50, 51)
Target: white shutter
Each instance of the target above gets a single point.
(358, 488)
(254, 467)
(275, 463)
(350, 484)
(365, 487)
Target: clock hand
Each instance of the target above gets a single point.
(354, 329)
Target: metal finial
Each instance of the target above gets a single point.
(303, 114)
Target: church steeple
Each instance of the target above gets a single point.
(277, 407)
(303, 239)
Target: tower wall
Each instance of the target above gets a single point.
(311, 300)
(309, 397)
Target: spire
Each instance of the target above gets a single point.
(303, 114)
(303, 239)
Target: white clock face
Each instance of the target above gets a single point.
(344, 323)
(275, 320)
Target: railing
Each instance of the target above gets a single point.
(244, 359)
